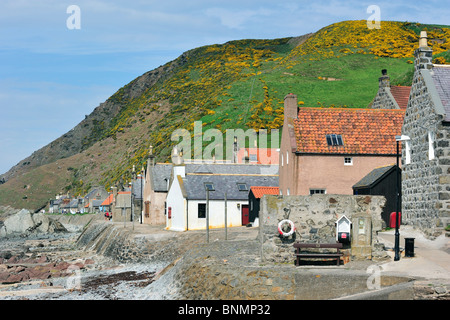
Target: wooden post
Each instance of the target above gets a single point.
(207, 215)
(226, 222)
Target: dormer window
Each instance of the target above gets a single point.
(334, 140)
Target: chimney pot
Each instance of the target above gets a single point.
(423, 43)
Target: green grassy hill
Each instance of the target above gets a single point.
(239, 84)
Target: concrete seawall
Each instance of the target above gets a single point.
(190, 268)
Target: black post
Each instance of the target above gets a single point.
(397, 214)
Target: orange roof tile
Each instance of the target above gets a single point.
(108, 200)
(258, 192)
(401, 95)
(363, 131)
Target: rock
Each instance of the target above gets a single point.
(19, 223)
(13, 278)
(4, 276)
(42, 259)
(25, 223)
(13, 259)
(6, 255)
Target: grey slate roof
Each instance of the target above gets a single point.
(93, 192)
(161, 172)
(441, 78)
(194, 185)
(373, 177)
(73, 203)
(137, 188)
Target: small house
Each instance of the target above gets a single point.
(254, 199)
(328, 150)
(381, 181)
(194, 197)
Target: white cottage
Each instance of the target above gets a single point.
(186, 203)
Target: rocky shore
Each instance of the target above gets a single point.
(100, 260)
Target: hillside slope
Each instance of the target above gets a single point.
(239, 84)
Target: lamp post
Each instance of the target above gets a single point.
(397, 213)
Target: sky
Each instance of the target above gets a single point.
(60, 59)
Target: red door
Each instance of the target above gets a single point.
(245, 215)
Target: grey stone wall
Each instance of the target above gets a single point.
(425, 183)
(384, 98)
(314, 218)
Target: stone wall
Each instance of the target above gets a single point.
(384, 98)
(314, 218)
(425, 182)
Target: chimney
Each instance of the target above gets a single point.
(151, 158)
(423, 55)
(290, 106)
(114, 192)
(177, 156)
(384, 80)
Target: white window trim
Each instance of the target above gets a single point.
(407, 152)
(431, 154)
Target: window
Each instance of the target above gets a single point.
(334, 140)
(242, 187)
(202, 210)
(317, 191)
(430, 145)
(209, 186)
(348, 161)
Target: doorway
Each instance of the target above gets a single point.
(245, 215)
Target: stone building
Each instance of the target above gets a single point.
(426, 151)
(390, 97)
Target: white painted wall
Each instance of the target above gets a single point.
(216, 214)
(176, 201)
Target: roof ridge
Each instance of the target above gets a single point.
(351, 109)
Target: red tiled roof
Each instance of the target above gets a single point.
(401, 95)
(108, 200)
(258, 192)
(364, 131)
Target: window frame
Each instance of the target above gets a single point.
(203, 210)
(334, 140)
(207, 188)
(239, 184)
(313, 191)
(348, 163)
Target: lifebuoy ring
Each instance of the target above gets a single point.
(291, 231)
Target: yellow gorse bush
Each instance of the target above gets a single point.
(393, 39)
